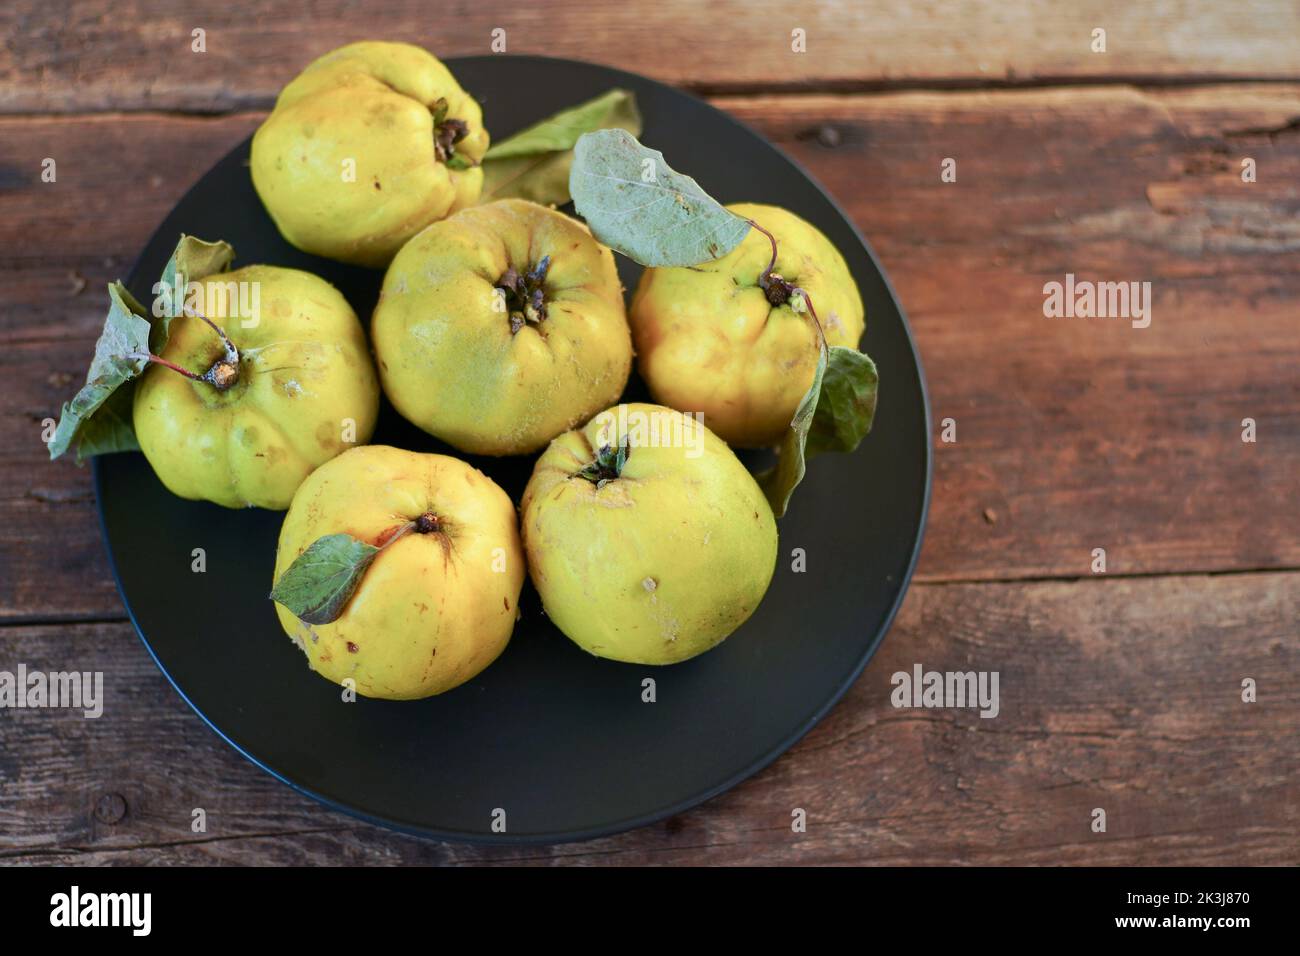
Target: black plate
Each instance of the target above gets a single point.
(558, 739)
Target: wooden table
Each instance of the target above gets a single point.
(1120, 690)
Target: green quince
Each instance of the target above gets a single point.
(501, 327)
(366, 147)
(710, 340)
(276, 383)
(437, 602)
(647, 539)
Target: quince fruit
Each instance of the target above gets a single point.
(438, 602)
(366, 147)
(709, 340)
(647, 539)
(501, 327)
(293, 388)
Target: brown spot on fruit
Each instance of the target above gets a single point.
(352, 648)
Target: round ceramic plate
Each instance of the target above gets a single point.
(559, 740)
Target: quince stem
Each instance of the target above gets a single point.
(772, 262)
(779, 291)
(802, 293)
(427, 523)
(156, 360)
(223, 374)
(232, 353)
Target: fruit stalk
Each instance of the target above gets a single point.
(223, 374)
(779, 291)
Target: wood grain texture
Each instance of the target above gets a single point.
(1072, 434)
(1075, 434)
(1107, 700)
(62, 242)
(136, 54)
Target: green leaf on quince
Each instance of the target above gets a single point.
(534, 164)
(835, 414)
(97, 420)
(636, 204)
(846, 402)
(320, 582)
(192, 261)
(120, 355)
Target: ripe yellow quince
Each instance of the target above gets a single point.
(501, 327)
(301, 389)
(647, 539)
(366, 147)
(437, 603)
(709, 340)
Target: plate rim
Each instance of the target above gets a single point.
(682, 806)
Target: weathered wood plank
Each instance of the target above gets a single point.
(1108, 699)
(1072, 434)
(62, 242)
(113, 55)
(1075, 434)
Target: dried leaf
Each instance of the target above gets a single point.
(534, 164)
